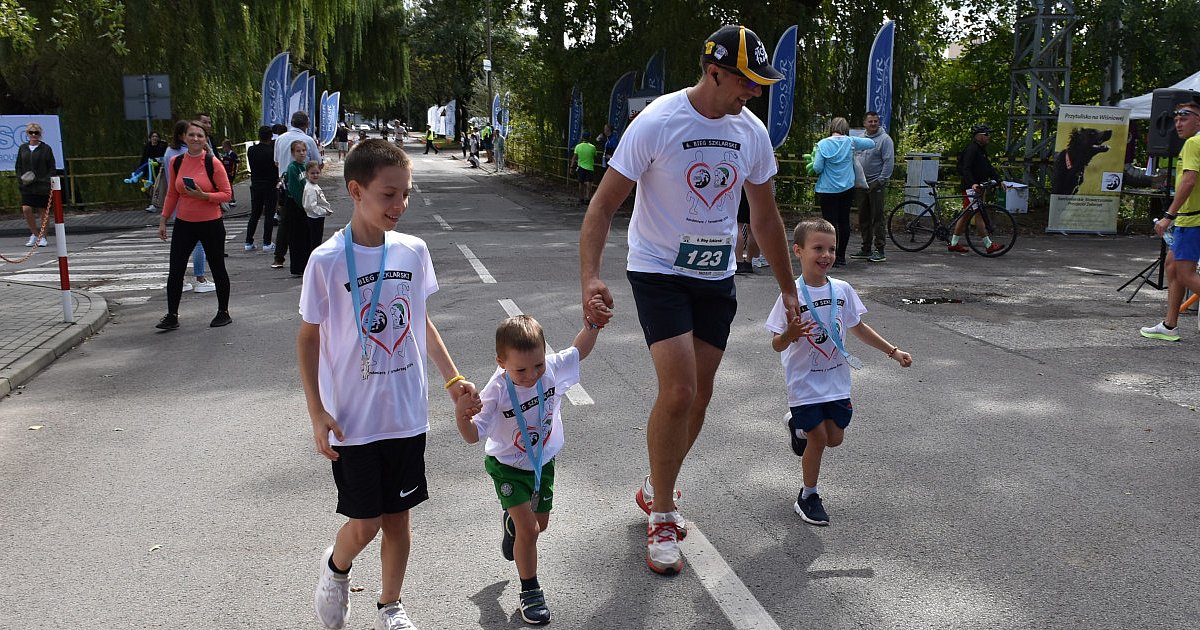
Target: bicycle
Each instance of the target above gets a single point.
(912, 225)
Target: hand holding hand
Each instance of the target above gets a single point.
(602, 313)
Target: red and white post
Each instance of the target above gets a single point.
(60, 243)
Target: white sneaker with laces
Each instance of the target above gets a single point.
(249, 247)
(187, 286)
(760, 262)
(205, 287)
(1160, 331)
(333, 595)
(662, 543)
(645, 500)
(269, 248)
(42, 242)
(32, 240)
(393, 617)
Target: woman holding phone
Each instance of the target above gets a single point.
(175, 148)
(196, 199)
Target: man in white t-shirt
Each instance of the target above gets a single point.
(691, 153)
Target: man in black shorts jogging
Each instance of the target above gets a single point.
(691, 153)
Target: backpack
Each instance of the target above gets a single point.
(961, 165)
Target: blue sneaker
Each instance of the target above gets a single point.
(810, 510)
(533, 607)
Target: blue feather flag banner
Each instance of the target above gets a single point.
(310, 101)
(618, 103)
(575, 125)
(654, 79)
(275, 90)
(296, 93)
(783, 93)
(879, 74)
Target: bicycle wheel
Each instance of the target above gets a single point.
(911, 226)
(999, 225)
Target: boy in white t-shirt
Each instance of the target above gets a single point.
(815, 361)
(362, 347)
(523, 427)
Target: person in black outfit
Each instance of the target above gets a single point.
(263, 191)
(975, 168)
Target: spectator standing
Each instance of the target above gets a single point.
(229, 159)
(153, 150)
(264, 182)
(341, 138)
(316, 206)
(34, 167)
(833, 161)
(1181, 224)
(195, 197)
(175, 148)
(680, 262)
(283, 157)
(299, 231)
(877, 164)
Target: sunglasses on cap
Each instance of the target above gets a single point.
(1183, 113)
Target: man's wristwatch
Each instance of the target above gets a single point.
(1170, 217)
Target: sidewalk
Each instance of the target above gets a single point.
(33, 333)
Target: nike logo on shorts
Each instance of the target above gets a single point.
(404, 493)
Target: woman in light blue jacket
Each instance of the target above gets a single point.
(833, 161)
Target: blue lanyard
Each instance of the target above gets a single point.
(833, 311)
(534, 451)
(354, 295)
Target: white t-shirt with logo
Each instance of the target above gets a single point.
(394, 401)
(498, 422)
(814, 369)
(690, 170)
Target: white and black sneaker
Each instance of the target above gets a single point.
(333, 595)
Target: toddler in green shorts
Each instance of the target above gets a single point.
(523, 427)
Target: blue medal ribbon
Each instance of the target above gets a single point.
(831, 330)
(533, 451)
(354, 296)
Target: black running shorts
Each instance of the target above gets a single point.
(670, 305)
(378, 478)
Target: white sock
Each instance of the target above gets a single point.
(987, 241)
(804, 494)
(953, 240)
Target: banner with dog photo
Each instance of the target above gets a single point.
(1089, 161)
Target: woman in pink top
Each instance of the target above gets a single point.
(196, 198)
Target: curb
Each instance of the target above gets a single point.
(25, 368)
(100, 228)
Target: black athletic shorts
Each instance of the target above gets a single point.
(583, 175)
(37, 202)
(670, 305)
(378, 478)
(743, 209)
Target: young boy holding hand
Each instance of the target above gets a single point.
(362, 347)
(522, 423)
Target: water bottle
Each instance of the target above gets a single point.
(1169, 236)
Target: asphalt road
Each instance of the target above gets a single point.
(1035, 468)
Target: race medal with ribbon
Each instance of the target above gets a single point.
(532, 451)
(830, 330)
(352, 271)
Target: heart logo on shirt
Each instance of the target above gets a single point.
(393, 318)
(818, 339)
(710, 183)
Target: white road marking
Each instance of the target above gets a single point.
(484, 275)
(442, 222)
(82, 277)
(133, 299)
(577, 394)
(718, 578)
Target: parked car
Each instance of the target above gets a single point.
(361, 127)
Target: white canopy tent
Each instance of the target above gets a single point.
(1139, 106)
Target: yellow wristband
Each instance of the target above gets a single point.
(454, 380)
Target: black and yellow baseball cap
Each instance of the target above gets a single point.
(738, 47)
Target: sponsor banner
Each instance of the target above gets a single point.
(274, 91)
(12, 136)
(1088, 173)
(310, 104)
(783, 93)
(618, 103)
(879, 74)
(575, 122)
(296, 94)
(654, 78)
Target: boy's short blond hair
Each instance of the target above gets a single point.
(367, 157)
(810, 225)
(310, 164)
(521, 333)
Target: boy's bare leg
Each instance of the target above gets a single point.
(686, 368)
(825, 434)
(393, 554)
(527, 525)
(352, 538)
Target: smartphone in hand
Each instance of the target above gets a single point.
(188, 182)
